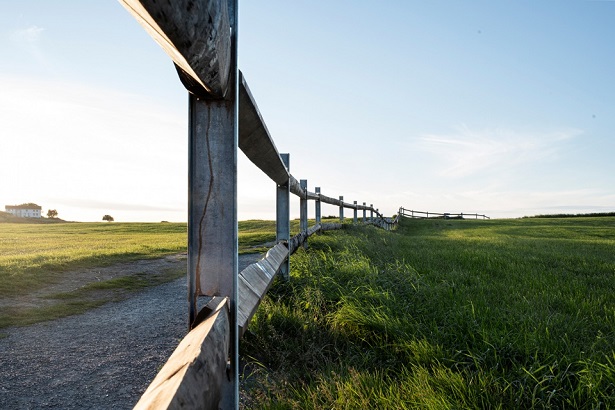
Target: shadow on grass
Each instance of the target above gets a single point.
(421, 318)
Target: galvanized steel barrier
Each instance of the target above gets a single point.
(201, 39)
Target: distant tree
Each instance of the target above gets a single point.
(108, 218)
(52, 213)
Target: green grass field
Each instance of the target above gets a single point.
(35, 254)
(442, 314)
(438, 314)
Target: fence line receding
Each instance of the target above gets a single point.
(201, 39)
(424, 215)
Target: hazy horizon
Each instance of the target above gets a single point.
(503, 109)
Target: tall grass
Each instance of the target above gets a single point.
(442, 314)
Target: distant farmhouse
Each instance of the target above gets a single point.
(28, 210)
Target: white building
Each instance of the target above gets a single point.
(28, 210)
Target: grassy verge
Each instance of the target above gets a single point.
(442, 314)
(87, 297)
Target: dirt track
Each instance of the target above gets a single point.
(103, 359)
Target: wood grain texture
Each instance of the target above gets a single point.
(195, 34)
(212, 202)
(255, 280)
(298, 239)
(195, 375)
(295, 187)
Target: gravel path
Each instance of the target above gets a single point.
(103, 359)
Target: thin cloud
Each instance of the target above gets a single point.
(29, 35)
(468, 152)
(29, 41)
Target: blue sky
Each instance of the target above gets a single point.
(504, 108)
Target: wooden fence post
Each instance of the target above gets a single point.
(282, 208)
(303, 222)
(341, 208)
(371, 213)
(212, 205)
(201, 39)
(317, 202)
(364, 212)
(355, 220)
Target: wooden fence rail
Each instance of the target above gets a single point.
(201, 39)
(424, 215)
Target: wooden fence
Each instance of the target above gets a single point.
(423, 215)
(201, 39)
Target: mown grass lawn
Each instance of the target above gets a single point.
(442, 314)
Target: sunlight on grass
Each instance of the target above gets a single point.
(443, 314)
(35, 255)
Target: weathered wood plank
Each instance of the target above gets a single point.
(255, 280)
(311, 231)
(303, 211)
(329, 200)
(298, 239)
(197, 37)
(277, 255)
(195, 376)
(282, 215)
(317, 210)
(212, 202)
(311, 195)
(333, 201)
(254, 138)
(295, 187)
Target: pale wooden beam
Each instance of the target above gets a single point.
(195, 376)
